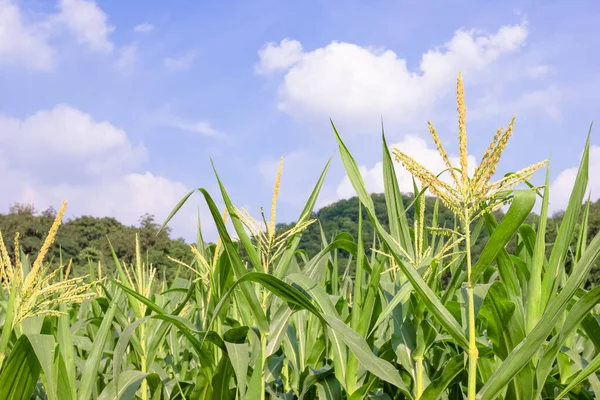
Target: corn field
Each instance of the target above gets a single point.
(417, 318)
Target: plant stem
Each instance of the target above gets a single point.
(419, 390)
(473, 352)
(263, 349)
(144, 387)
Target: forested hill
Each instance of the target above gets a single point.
(342, 216)
(84, 239)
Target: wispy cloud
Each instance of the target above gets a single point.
(357, 84)
(144, 27)
(201, 127)
(127, 58)
(29, 44)
(180, 63)
(167, 117)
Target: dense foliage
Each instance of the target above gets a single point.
(418, 317)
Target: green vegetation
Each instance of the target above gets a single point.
(342, 216)
(84, 240)
(419, 316)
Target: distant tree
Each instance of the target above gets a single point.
(22, 209)
(49, 213)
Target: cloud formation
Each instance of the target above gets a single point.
(87, 22)
(276, 57)
(23, 44)
(65, 154)
(27, 40)
(357, 84)
(65, 133)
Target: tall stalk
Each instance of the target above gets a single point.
(263, 349)
(473, 352)
(144, 386)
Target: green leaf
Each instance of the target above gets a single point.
(123, 278)
(238, 352)
(294, 241)
(129, 382)
(278, 287)
(67, 350)
(567, 228)
(393, 200)
(324, 301)
(279, 324)
(7, 328)
(592, 367)
(497, 310)
(175, 210)
(313, 377)
(44, 347)
(220, 380)
(181, 324)
(329, 388)
(375, 365)
(90, 369)
(575, 316)
(436, 387)
(520, 208)
(237, 224)
(20, 372)
(238, 267)
(391, 305)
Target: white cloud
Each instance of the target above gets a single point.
(65, 133)
(357, 85)
(180, 63)
(87, 22)
(23, 44)
(144, 27)
(562, 186)
(166, 117)
(43, 155)
(25, 38)
(202, 127)
(275, 57)
(415, 147)
(127, 58)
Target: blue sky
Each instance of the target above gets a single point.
(118, 106)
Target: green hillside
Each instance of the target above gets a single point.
(84, 239)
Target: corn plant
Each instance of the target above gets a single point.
(411, 315)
